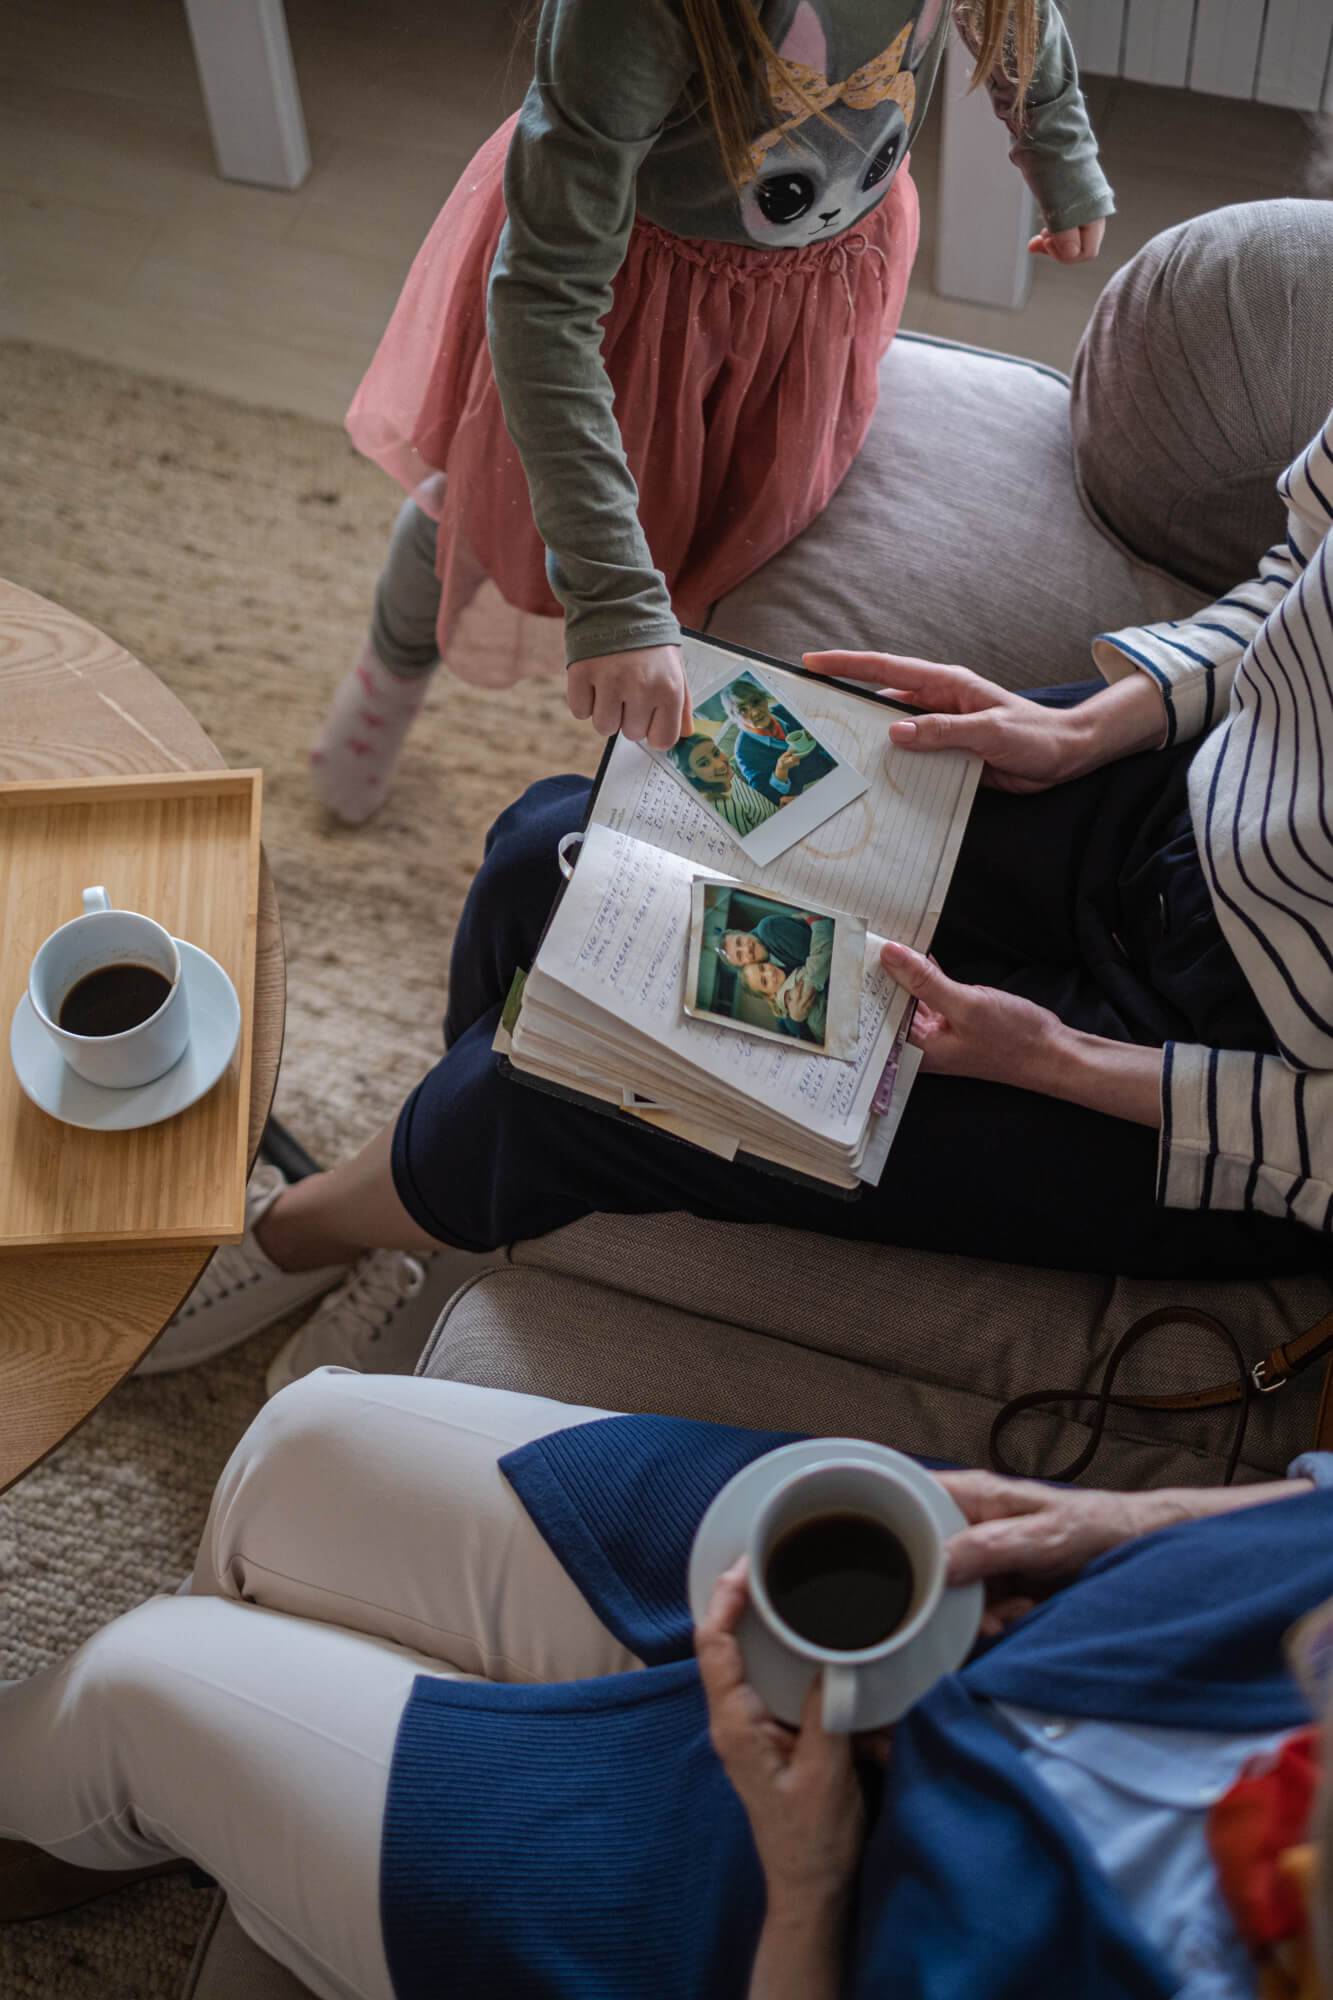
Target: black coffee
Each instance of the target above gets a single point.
(112, 999)
(841, 1580)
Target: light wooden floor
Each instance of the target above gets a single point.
(118, 240)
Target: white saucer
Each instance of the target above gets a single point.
(781, 1678)
(215, 1026)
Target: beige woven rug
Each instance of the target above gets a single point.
(234, 551)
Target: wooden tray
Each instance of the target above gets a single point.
(183, 849)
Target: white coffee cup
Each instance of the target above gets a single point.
(104, 936)
(858, 1687)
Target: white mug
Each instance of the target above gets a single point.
(103, 936)
(858, 1687)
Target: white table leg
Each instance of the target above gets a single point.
(250, 90)
(986, 214)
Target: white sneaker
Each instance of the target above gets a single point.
(380, 1318)
(240, 1293)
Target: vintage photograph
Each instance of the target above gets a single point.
(768, 967)
(760, 767)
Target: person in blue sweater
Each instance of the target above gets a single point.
(432, 1700)
(766, 755)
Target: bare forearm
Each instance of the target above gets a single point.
(800, 1953)
(1171, 1505)
(1125, 718)
(1119, 1078)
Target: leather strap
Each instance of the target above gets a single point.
(1274, 1371)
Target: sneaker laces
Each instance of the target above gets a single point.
(376, 1289)
(232, 1266)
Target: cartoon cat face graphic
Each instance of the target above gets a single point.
(813, 176)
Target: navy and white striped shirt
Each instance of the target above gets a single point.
(1253, 675)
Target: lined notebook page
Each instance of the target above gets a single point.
(619, 940)
(886, 858)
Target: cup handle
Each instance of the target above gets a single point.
(839, 1700)
(94, 900)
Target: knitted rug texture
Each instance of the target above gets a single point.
(234, 551)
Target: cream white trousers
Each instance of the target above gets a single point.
(361, 1534)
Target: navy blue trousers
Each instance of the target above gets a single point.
(1089, 899)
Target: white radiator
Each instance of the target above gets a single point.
(1279, 51)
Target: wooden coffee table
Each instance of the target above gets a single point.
(74, 1323)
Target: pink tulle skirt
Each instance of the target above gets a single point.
(744, 384)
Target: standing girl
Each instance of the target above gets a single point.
(690, 248)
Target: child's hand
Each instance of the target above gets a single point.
(1069, 246)
(643, 694)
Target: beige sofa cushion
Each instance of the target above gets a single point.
(1200, 377)
(958, 534)
(916, 1350)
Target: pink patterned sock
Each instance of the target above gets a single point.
(356, 752)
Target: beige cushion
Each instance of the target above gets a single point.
(958, 534)
(916, 1350)
(1203, 372)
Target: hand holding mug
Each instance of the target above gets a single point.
(1025, 1538)
(798, 1787)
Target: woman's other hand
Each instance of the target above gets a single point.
(1069, 246)
(1024, 1538)
(801, 997)
(643, 694)
(785, 765)
(798, 1787)
(975, 1030)
(1002, 1038)
(1026, 747)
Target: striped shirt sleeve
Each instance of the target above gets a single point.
(1194, 660)
(1242, 1131)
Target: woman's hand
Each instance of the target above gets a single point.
(1023, 1539)
(785, 765)
(1002, 1038)
(975, 1030)
(1069, 246)
(643, 694)
(799, 1788)
(800, 998)
(1027, 746)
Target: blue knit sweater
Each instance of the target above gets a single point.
(581, 1842)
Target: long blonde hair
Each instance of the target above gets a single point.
(735, 55)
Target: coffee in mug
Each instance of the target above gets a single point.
(846, 1568)
(109, 990)
(112, 999)
(843, 1581)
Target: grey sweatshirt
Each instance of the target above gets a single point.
(614, 125)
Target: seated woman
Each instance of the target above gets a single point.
(1127, 1038)
(429, 1712)
(713, 774)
